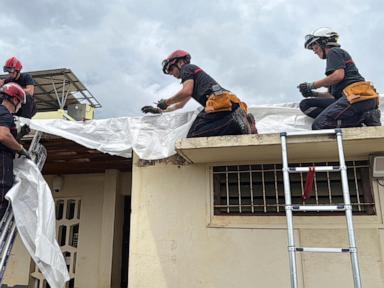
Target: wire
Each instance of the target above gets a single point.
(380, 183)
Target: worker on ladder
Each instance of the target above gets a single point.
(350, 101)
(13, 96)
(13, 67)
(224, 113)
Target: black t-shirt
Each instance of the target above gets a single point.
(6, 120)
(24, 80)
(29, 108)
(203, 83)
(338, 58)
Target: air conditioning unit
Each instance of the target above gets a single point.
(378, 167)
(81, 112)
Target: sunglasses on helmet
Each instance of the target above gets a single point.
(8, 69)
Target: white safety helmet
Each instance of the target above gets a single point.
(325, 37)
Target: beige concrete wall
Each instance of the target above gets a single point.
(99, 245)
(177, 242)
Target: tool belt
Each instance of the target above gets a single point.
(223, 102)
(360, 91)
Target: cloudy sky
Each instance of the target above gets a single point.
(252, 47)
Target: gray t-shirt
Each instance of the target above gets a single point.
(203, 83)
(338, 58)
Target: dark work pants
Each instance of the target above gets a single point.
(332, 113)
(6, 179)
(233, 122)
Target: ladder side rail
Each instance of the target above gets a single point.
(288, 211)
(348, 211)
(7, 250)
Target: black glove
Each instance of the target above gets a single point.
(23, 152)
(24, 130)
(151, 109)
(162, 104)
(306, 89)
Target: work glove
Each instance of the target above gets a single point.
(24, 152)
(151, 109)
(306, 89)
(162, 104)
(24, 130)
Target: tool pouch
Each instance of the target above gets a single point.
(360, 91)
(223, 102)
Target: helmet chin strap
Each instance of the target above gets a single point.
(15, 105)
(324, 56)
(323, 46)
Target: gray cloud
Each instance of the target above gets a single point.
(254, 48)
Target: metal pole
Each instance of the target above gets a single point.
(348, 211)
(288, 212)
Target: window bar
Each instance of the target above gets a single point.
(263, 182)
(356, 186)
(276, 189)
(227, 187)
(239, 187)
(329, 186)
(251, 187)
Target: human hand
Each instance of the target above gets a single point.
(151, 109)
(162, 104)
(24, 152)
(306, 89)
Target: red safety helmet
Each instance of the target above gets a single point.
(173, 58)
(11, 90)
(12, 64)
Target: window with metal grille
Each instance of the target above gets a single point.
(259, 189)
(68, 224)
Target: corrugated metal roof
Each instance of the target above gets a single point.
(57, 88)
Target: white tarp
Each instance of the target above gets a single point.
(151, 137)
(34, 212)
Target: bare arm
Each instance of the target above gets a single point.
(183, 95)
(331, 79)
(178, 105)
(30, 89)
(8, 140)
(323, 94)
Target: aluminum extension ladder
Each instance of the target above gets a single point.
(346, 206)
(7, 225)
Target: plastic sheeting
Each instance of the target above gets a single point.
(34, 211)
(153, 137)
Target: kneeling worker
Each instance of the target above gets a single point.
(223, 114)
(13, 96)
(350, 101)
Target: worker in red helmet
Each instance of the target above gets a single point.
(13, 97)
(223, 114)
(13, 67)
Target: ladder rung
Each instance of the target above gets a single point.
(309, 133)
(323, 250)
(339, 207)
(317, 169)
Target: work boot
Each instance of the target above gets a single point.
(372, 118)
(240, 117)
(252, 123)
